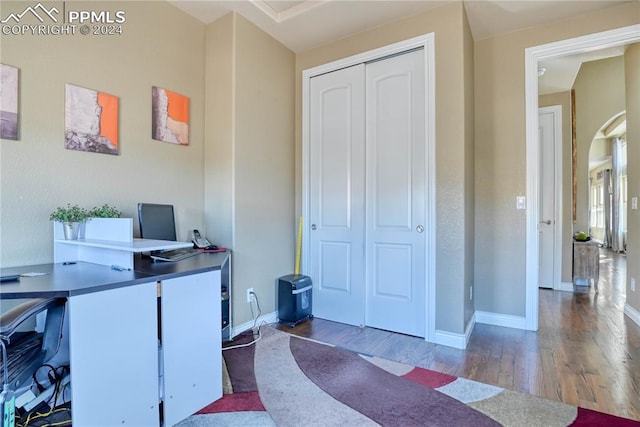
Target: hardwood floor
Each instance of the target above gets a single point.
(586, 351)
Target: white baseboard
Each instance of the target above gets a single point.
(450, 339)
(497, 319)
(266, 318)
(566, 286)
(632, 313)
(456, 340)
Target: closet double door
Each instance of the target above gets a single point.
(367, 194)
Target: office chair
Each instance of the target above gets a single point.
(28, 351)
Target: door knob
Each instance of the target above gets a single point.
(419, 229)
(548, 222)
(314, 227)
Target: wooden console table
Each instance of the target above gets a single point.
(586, 263)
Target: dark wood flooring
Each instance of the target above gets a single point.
(586, 351)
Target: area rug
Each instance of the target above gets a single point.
(283, 380)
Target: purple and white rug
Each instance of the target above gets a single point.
(285, 380)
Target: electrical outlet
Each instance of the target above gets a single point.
(250, 297)
(633, 284)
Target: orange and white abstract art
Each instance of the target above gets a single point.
(91, 120)
(169, 116)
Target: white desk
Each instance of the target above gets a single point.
(106, 241)
(137, 338)
(116, 321)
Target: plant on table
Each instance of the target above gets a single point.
(69, 214)
(105, 211)
(71, 217)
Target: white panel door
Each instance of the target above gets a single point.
(396, 194)
(336, 206)
(547, 200)
(191, 344)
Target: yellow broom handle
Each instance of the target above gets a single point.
(299, 246)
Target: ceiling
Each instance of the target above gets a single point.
(304, 25)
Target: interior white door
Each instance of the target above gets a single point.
(336, 193)
(547, 122)
(396, 194)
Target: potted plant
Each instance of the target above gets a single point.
(71, 217)
(105, 211)
(106, 223)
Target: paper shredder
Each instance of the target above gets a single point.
(294, 298)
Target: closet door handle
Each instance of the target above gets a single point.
(548, 222)
(419, 229)
(314, 227)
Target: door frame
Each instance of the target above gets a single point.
(532, 55)
(426, 42)
(558, 142)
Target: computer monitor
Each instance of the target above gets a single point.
(156, 221)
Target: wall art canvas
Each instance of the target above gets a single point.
(8, 102)
(169, 116)
(91, 120)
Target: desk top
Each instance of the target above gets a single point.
(201, 263)
(63, 281)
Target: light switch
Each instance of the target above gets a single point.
(634, 203)
(521, 202)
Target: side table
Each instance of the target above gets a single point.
(586, 263)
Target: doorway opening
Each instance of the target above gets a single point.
(608, 185)
(533, 55)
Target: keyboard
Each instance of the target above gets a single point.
(175, 255)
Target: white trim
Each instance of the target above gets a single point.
(556, 110)
(427, 42)
(632, 313)
(498, 319)
(606, 39)
(267, 318)
(287, 14)
(450, 339)
(566, 287)
(456, 340)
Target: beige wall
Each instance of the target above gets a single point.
(219, 130)
(250, 162)
(600, 96)
(239, 176)
(564, 100)
(600, 149)
(38, 173)
(632, 83)
(500, 152)
(447, 23)
(469, 172)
